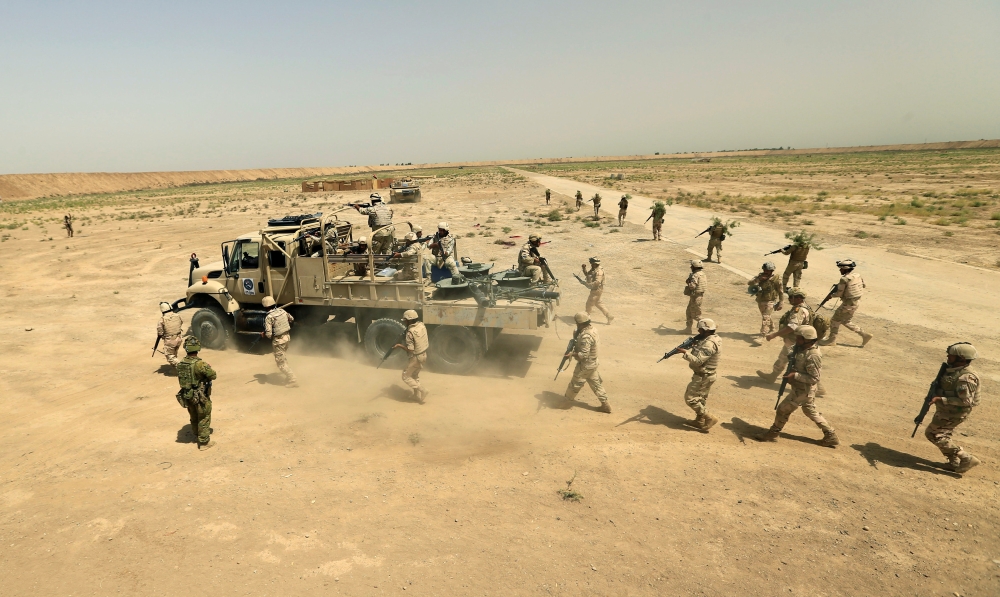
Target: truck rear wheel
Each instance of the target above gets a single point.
(454, 349)
(210, 328)
(380, 337)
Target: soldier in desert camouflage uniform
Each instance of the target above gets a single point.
(959, 394)
(694, 289)
(410, 251)
(415, 344)
(802, 382)
(769, 296)
(548, 196)
(579, 199)
(277, 324)
(529, 262)
(169, 329)
(796, 316)
(379, 220)
(595, 282)
(622, 210)
(585, 353)
(797, 255)
(703, 358)
(849, 291)
(195, 377)
(716, 234)
(443, 247)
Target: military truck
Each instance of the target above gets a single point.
(311, 265)
(404, 190)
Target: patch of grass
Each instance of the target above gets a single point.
(414, 438)
(613, 231)
(861, 234)
(808, 222)
(506, 229)
(569, 494)
(369, 416)
(942, 222)
(554, 216)
(995, 216)
(949, 233)
(590, 224)
(900, 222)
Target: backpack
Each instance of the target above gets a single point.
(821, 323)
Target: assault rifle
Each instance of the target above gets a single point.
(704, 231)
(544, 263)
(385, 357)
(683, 345)
(829, 296)
(158, 338)
(570, 347)
(357, 205)
(931, 393)
(782, 249)
(784, 381)
(580, 280)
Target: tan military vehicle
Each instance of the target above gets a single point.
(313, 265)
(404, 190)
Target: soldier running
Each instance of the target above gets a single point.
(595, 282)
(716, 234)
(579, 200)
(958, 394)
(415, 344)
(169, 329)
(68, 225)
(797, 255)
(196, 377)
(622, 210)
(703, 358)
(849, 291)
(803, 381)
(585, 353)
(548, 196)
(277, 324)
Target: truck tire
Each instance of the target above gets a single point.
(380, 336)
(211, 329)
(454, 349)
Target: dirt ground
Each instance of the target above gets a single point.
(344, 487)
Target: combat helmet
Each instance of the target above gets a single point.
(796, 292)
(192, 344)
(706, 324)
(806, 331)
(768, 266)
(963, 350)
(847, 264)
(165, 307)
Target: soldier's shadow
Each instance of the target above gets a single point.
(751, 381)
(167, 370)
(397, 393)
(665, 331)
(742, 429)
(271, 379)
(876, 454)
(558, 402)
(654, 415)
(750, 339)
(186, 436)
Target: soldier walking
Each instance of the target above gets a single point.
(196, 377)
(415, 344)
(803, 381)
(595, 282)
(379, 220)
(716, 234)
(694, 289)
(849, 291)
(798, 315)
(529, 261)
(622, 210)
(703, 358)
(443, 247)
(579, 200)
(585, 353)
(769, 295)
(597, 205)
(958, 394)
(658, 213)
(169, 330)
(277, 324)
(68, 225)
(797, 253)
(548, 196)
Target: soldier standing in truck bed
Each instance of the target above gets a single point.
(379, 220)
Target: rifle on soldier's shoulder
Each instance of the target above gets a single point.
(570, 347)
(829, 296)
(781, 250)
(784, 378)
(704, 231)
(158, 338)
(931, 393)
(683, 345)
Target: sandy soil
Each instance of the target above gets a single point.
(344, 487)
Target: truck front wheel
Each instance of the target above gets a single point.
(454, 349)
(210, 328)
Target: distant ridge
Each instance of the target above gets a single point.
(30, 186)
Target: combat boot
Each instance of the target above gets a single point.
(966, 462)
(698, 421)
(610, 319)
(210, 444)
(769, 377)
(829, 341)
(768, 436)
(830, 439)
(865, 339)
(605, 407)
(708, 422)
(417, 397)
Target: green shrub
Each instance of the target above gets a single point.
(554, 216)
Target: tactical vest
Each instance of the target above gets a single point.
(801, 357)
(596, 275)
(799, 253)
(185, 373)
(770, 289)
(591, 361)
(787, 317)
(709, 366)
(853, 286)
(379, 216)
(949, 384)
(279, 322)
(172, 325)
(717, 231)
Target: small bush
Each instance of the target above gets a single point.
(861, 234)
(949, 233)
(995, 216)
(917, 202)
(506, 229)
(900, 222)
(942, 222)
(554, 216)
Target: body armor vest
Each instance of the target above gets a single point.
(380, 216)
(799, 253)
(279, 323)
(854, 285)
(172, 325)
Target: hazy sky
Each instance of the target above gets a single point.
(178, 85)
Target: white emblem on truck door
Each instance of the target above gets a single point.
(248, 286)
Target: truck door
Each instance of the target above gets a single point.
(244, 266)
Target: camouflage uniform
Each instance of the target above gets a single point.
(597, 207)
(796, 316)
(797, 255)
(68, 225)
(960, 390)
(408, 269)
(548, 196)
(622, 210)
(380, 215)
(716, 234)
(169, 328)
(695, 288)
(445, 253)
(585, 354)
(657, 228)
(526, 265)
(849, 291)
(595, 282)
(703, 358)
(277, 324)
(579, 199)
(416, 343)
(195, 395)
(768, 297)
(807, 369)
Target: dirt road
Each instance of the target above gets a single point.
(345, 487)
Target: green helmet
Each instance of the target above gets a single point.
(192, 344)
(796, 292)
